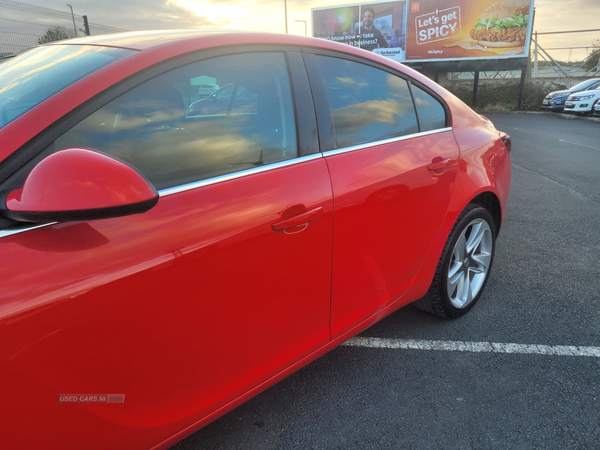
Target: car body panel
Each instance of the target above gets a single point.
(479, 142)
(113, 341)
(391, 193)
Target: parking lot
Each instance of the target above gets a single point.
(422, 382)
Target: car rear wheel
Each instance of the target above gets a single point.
(464, 266)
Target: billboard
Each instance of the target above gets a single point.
(431, 30)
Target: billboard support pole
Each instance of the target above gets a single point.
(475, 87)
(535, 57)
(522, 88)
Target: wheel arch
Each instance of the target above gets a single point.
(422, 280)
(491, 202)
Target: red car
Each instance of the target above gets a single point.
(159, 267)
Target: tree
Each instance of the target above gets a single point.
(56, 34)
(593, 55)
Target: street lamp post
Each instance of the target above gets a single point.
(285, 12)
(73, 16)
(305, 31)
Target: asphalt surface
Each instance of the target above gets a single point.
(544, 289)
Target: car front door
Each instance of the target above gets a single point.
(224, 283)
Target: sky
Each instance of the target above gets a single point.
(268, 15)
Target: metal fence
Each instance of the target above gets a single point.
(23, 25)
(554, 68)
(543, 65)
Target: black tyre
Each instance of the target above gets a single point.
(464, 266)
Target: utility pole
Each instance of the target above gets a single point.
(285, 12)
(73, 17)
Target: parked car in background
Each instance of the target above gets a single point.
(596, 110)
(6, 58)
(555, 101)
(582, 102)
(160, 266)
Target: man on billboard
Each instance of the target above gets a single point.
(371, 37)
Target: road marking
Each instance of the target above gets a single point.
(479, 347)
(581, 145)
(523, 131)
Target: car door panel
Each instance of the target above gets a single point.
(181, 309)
(392, 182)
(390, 209)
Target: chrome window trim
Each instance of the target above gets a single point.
(190, 186)
(5, 233)
(231, 176)
(338, 151)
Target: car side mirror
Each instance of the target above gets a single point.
(79, 184)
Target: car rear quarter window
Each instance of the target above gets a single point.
(367, 104)
(431, 113)
(175, 136)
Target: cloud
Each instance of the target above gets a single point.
(135, 14)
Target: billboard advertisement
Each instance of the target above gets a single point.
(431, 30)
(377, 27)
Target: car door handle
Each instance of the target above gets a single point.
(438, 165)
(296, 221)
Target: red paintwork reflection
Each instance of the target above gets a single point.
(181, 309)
(389, 205)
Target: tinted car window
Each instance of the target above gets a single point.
(431, 113)
(174, 136)
(368, 104)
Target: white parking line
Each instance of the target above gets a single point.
(461, 346)
(522, 131)
(581, 145)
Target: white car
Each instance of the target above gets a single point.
(582, 102)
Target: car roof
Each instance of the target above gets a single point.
(158, 45)
(142, 40)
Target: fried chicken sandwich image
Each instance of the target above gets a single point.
(503, 24)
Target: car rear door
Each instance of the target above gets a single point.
(185, 308)
(392, 174)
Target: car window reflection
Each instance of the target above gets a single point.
(174, 136)
(367, 104)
